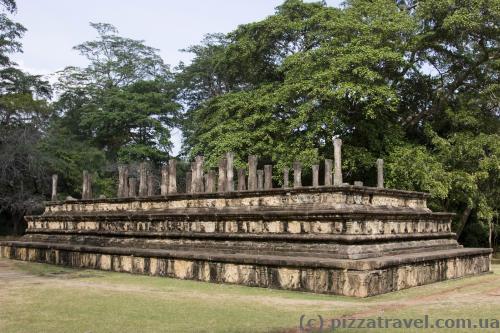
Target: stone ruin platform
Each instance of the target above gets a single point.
(345, 240)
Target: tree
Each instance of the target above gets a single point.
(457, 116)
(414, 82)
(123, 101)
(24, 113)
(299, 77)
(119, 108)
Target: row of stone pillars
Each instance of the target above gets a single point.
(198, 182)
(127, 186)
(257, 179)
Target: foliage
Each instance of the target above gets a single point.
(24, 114)
(69, 156)
(415, 83)
(122, 102)
(119, 108)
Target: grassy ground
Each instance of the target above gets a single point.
(44, 298)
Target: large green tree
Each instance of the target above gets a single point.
(414, 82)
(118, 108)
(24, 114)
(123, 101)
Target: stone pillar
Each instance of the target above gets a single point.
(151, 184)
(143, 179)
(122, 181)
(193, 176)
(202, 176)
(86, 186)
(197, 186)
(230, 172)
(297, 174)
(119, 192)
(241, 180)
(222, 176)
(89, 186)
(268, 177)
(164, 180)
(54, 188)
(328, 172)
(315, 175)
(380, 173)
(286, 172)
(211, 181)
(189, 178)
(172, 176)
(337, 154)
(125, 181)
(132, 187)
(260, 180)
(252, 172)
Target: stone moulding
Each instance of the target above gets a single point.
(348, 239)
(345, 240)
(317, 197)
(286, 222)
(249, 193)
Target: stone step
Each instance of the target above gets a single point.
(360, 278)
(262, 245)
(253, 259)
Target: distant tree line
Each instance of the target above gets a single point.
(413, 82)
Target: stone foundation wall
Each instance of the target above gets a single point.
(312, 279)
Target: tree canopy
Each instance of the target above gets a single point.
(120, 108)
(123, 101)
(24, 114)
(413, 82)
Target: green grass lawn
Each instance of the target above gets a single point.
(44, 298)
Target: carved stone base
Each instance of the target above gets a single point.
(345, 240)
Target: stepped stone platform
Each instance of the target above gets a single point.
(346, 240)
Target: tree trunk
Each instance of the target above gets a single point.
(463, 221)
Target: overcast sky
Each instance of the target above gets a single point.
(55, 26)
